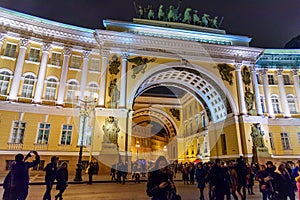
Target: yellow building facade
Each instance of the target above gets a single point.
(223, 100)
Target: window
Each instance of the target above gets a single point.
(95, 65)
(275, 104)
(285, 141)
(258, 78)
(291, 104)
(43, 134)
(51, 89)
(17, 134)
(75, 62)
(271, 141)
(34, 55)
(298, 137)
(72, 87)
(10, 50)
(55, 59)
(271, 79)
(93, 88)
(203, 121)
(191, 127)
(223, 142)
(4, 82)
(286, 79)
(197, 123)
(262, 103)
(66, 134)
(28, 85)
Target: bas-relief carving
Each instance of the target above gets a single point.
(257, 136)
(175, 113)
(113, 93)
(246, 75)
(111, 130)
(140, 64)
(249, 99)
(225, 72)
(114, 65)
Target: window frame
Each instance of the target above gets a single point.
(76, 61)
(5, 78)
(53, 59)
(35, 56)
(28, 86)
(50, 90)
(271, 79)
(285, 141)
(45, 133)
(11, 52)
(19, 130)
(67, 134)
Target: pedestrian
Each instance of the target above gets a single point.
(160, 185)
(62, 180)
(250, 180)
(297, 179)
(264, 179)
(6, 186)
(241, 169)
(192, 173)
(294, 174)
(216, 178)
(113, 172)
(91, 171)
(50, 169)
(200, 175)
(20, 175)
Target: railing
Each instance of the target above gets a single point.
(15, 146)
(64, 147)
(40, 146)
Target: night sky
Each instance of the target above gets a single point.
(270, 23)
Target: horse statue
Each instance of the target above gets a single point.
(196, 19)
(187, 16)
(171, 14)
(205, 19)
(161, 13)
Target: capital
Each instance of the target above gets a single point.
(253, 68)
(46, 47)
(67, 51)
(124, 55)
(2, 37)
(105, 53)
(279, 71)
(264, 71)
(24, 42)
(295, 72)
(86, 54)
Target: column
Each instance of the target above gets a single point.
(267, 93)
(63, 76)
(123, 87)
(102, 87)
(256, 91)
(18, 69)
(296, 86)
(239, 82)
(283, 99)
(86, 54)
(42, 71)
(2, 39)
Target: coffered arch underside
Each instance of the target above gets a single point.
(198, 83)
(159, 117)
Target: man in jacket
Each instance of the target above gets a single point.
(50, 169)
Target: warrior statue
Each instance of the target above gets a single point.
(257, 135)
(171, 15)
(150, 12)
(111, 130)
(187, 16)
(161, 13)
(196, 19)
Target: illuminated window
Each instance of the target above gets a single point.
(5, 78)
(55, 59)
(10, 50)
(286, 79)
(291, 104)
(275, 104)
(28, 86)
(17, 134)
(298, 137)
(271, 79)
(93, 88)
(95, 65)
(271, 141)
(43, 134)
(285, 141)
(66, 134)
(51, 89)
(75, 62)
(72, 87)
(34, 55)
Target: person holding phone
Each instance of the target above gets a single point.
(20, 175)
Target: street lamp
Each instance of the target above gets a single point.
(137, 145)
(86, 107)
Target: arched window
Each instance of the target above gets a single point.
(275, 104)
(50, 89)
(72, 87)
(28, 86)
(93, 88)
(5, 78)
(291, 103)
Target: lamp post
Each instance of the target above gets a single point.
(85, 110)
(137, 145)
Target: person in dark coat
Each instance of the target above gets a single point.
(50, 169)
(160, 185)
(241, 169)
(91, 171)
(62, 180)
(20, 175)
(283, 185)
(200, 175)
(216, 178)
(264, 179)
(6, 186)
